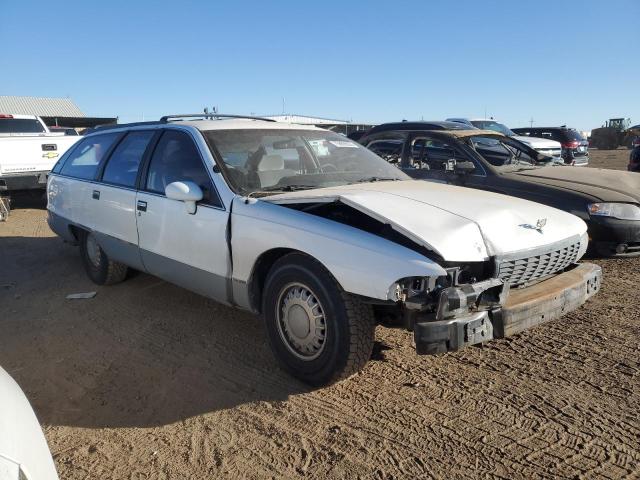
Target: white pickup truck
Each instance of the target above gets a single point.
(28, 151)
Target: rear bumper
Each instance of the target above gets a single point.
(524, 308)
(61, 227)
(23, 181)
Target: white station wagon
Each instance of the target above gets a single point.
(317, 234)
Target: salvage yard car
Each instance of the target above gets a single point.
(28, 150)
(317, 234)
(546, 146)
(575, 148)
(24, 453)
(607, 200)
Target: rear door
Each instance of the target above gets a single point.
(189, 250)
(113, 198)
(72, 183)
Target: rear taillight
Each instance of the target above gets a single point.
(571, 145)
(5, 115)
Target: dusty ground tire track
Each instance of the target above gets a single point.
(147, 380)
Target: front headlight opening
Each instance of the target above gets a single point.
(622, 211)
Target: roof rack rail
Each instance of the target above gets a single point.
(122, 125)
(211, 116)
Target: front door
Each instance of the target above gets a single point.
(189, 250)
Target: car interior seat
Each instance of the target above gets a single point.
(271, 170)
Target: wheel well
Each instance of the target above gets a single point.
(261, 270)
(76, 232)
(259, 274)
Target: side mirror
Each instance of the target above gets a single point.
(185, 191)
(464, 168)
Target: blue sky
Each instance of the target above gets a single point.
(573, 62)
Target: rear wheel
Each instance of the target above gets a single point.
(318, 332)
(99, 267)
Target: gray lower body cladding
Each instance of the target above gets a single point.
(524, 308)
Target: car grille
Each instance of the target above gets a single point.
(553, 152)
(516, 270)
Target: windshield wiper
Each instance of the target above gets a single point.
(287, 188)
(279, 188)
(376, 179)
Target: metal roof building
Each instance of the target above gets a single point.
(340, 126)
(53, 111)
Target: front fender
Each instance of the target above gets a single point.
(362, 263)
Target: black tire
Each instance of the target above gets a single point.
(349, 323)
(104, 271)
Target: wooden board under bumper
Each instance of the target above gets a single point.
(547, 300)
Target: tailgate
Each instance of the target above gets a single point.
(32, 154)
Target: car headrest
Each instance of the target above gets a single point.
(271, 162)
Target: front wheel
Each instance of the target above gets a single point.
(99, 267)
(318, 332)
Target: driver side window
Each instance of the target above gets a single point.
(389, 149)
(435, 154)
(432, 154)
(176, 158)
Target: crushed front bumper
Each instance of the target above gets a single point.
(523, 309)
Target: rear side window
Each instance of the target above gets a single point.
(384, 147)
(387, 145)
(20, 125)
(83, 161)
(174, 159)
(551, 135)
(122, 167)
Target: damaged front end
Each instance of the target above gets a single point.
(446, 315)
(449, 318)
(471, 297)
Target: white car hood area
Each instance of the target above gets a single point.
(459, 224)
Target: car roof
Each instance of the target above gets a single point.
(241, 123)
(543, 128)
(469, 132)
(208, 125)
(420, 125)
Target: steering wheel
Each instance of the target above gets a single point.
(330, 166)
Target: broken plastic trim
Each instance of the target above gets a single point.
(455, 301)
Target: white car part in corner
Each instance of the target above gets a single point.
(23, 449)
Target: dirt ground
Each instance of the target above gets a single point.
(147, 380)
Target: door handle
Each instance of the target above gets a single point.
(96, 195)
(142, 206)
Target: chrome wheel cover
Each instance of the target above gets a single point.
(93, 250)
(301, 321)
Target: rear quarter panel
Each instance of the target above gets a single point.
(67, 198)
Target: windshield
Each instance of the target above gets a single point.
(20, 125)
(506, 153)
(272, 160)
(491, 125)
